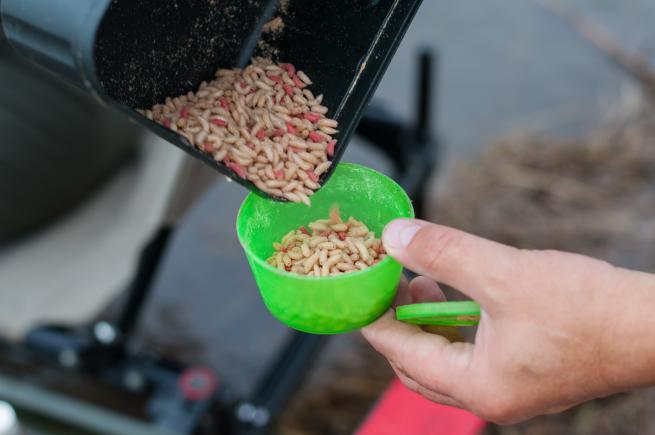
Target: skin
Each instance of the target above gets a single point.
(557, 329)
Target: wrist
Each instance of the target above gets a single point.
(629, 326)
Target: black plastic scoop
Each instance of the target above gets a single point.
(135, 53)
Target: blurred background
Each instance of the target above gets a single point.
(544, 124)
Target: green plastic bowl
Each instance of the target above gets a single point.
(335, 304)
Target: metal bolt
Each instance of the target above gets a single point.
(261, 417)
(68, 358)
(8, 420)
(105, 332)
(198, 383)
(134, 380)
(255, 415)
(246, 412)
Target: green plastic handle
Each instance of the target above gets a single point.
(456, 313)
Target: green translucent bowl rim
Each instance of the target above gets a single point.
(252, 196)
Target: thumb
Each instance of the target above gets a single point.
(455, 258)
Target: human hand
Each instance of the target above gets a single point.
(556, 329)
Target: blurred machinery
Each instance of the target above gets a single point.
(87, 378)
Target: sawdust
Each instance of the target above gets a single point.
(272, 31)
(592, 196)
(273, 26)
(267, 49)
(145, 53)
(284, 6)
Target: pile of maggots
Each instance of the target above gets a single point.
(333, 247)
(262, 122)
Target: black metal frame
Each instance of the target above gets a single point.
(412, 149)
(100, 349)
(115, 51)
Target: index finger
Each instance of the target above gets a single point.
(429, 359)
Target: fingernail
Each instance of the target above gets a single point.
(399, 233)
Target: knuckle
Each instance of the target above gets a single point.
(497, 415)
(431, 247)
(499, 409)
(374, 335)
(438, 385)
(412, 386)
(369, 333)
(380, 336)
